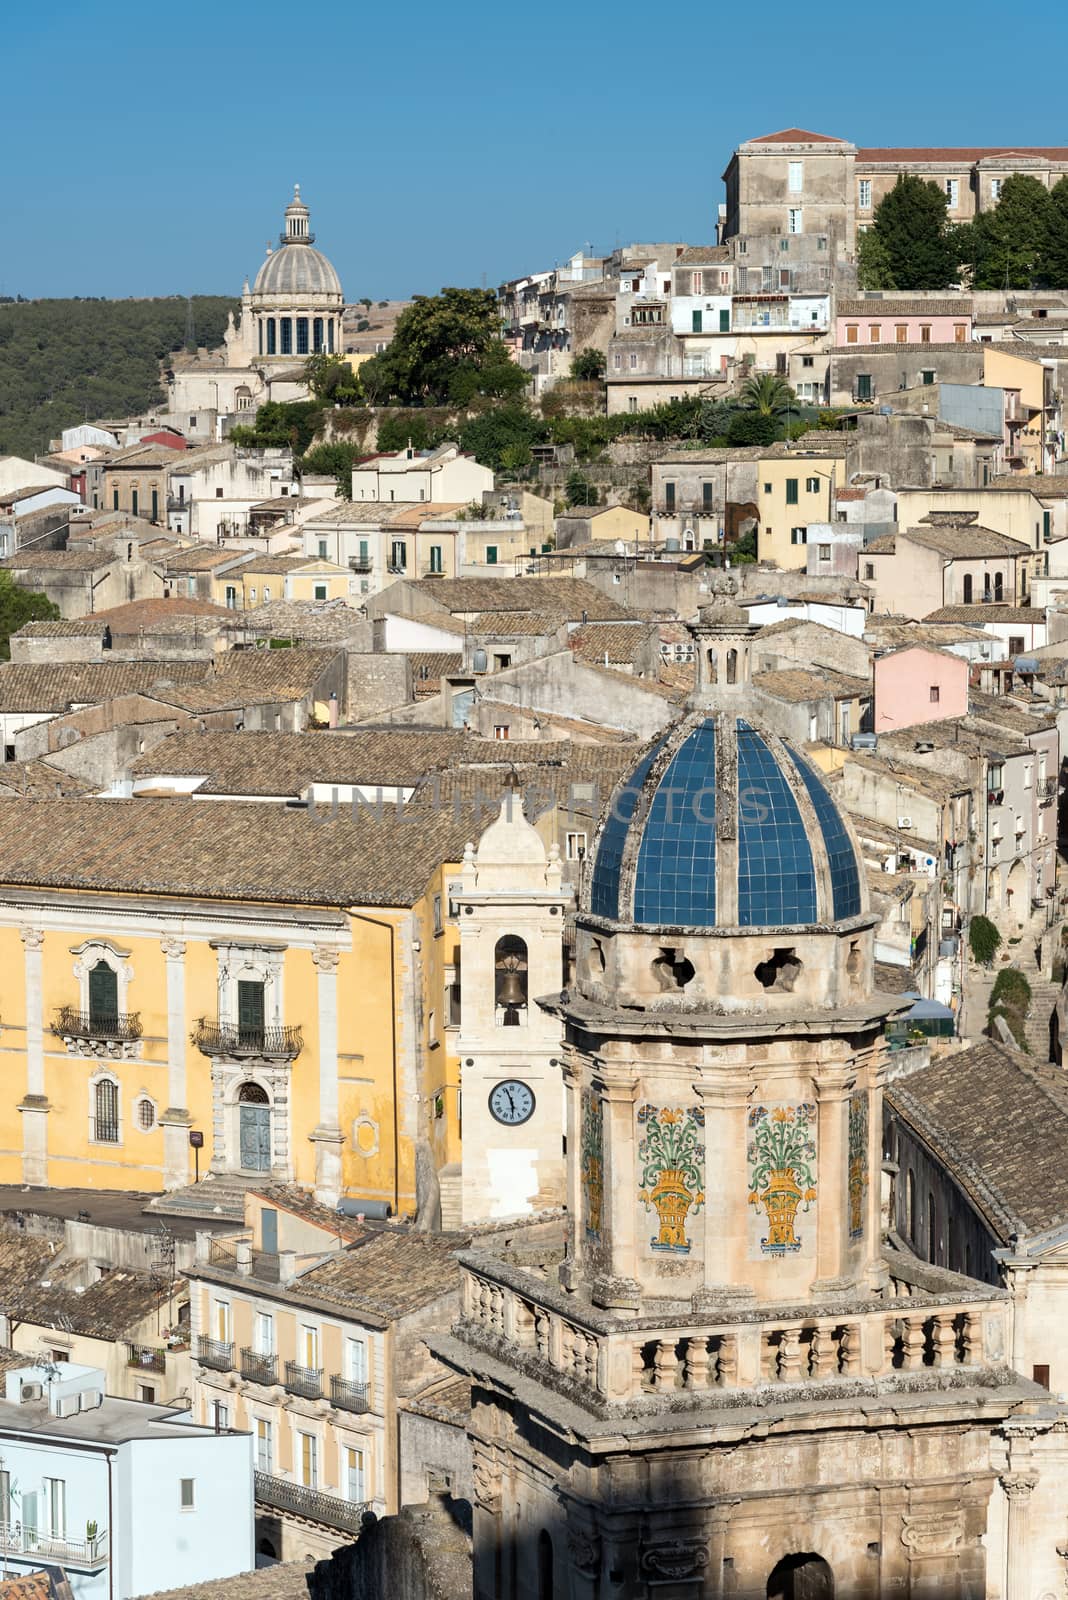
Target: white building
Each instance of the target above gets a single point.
(443, 475)
(128, 1498)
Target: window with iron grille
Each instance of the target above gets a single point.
(106, 1112)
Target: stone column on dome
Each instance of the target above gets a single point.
(620, 1096)
(725, 1093)
(834, 1080)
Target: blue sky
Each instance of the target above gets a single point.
(151, 150)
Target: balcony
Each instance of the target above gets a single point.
(176, 502)
(350, 1396)
(146, 1358)
(227, 1039)
(86, 1554)
(98, 1034)
(258, 1366)
(281, 1494)
(361, 564)
(307, 1382)
(1047, 791)
(218, 1354)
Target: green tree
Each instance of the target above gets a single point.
(983, 939)
(588, 365)
(768, 395)
(578, 491)
(752, 427)
(874, 269)
(280, 423)
(330, 378)
(18, 606)
(446, 348)
(500, 428)
(1006, 248)
(914, 244)
(1054, 265)
(743, 551)
(333, 458)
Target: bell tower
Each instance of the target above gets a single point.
(511, 908)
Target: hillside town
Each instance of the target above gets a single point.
(534, 926)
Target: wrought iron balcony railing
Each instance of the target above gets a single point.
(350, 1396)
(282, 1494)
(146, 1358)
(230, 1039)
(215, 1353)
(258, 1366)
(304, 1381)
(119, 1027)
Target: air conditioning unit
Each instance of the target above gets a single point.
(904, 822)
(30, 1391)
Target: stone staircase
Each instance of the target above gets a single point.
(1044, 996)
(450, 1188)
(218, 1197)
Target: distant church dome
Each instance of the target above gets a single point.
(296, 269)
(723, 824)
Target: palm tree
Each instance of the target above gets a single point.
(769, 395)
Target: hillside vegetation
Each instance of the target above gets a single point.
(65, 361)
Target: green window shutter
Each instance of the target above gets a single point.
(696, 316)
(791, 491)
(155, 505)
(724, 321)
(114, 499)
(103, 993)
(491, 555)
(250, 1007)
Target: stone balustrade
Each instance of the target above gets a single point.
(908, 1332)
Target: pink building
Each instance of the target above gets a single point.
(911, 321)
(917, 684)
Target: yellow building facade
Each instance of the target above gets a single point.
(283, 1022)
(792, 491)
(306, 1333)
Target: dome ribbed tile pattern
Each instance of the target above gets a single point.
(297, 269)
(770, 850)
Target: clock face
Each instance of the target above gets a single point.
(512, 1102)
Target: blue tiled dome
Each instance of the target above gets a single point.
(722, 824)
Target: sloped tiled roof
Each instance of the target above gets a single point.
(389, 1274)
(978, 614)
(237, 850)
(797, 136)
(998, 1119)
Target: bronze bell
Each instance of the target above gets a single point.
(512, 991)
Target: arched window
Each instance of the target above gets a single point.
(967, 588)
(510, 981)
(302, 336)
(285, 332)
(732, 666)
(103, 996)
(910, 1205)
(545, 1566)
(271, 337)
(146, 1114)
(317, 335)
(259, 331)
(713, 666)
(330, 336)
(999, 587)
(106, 1111)
(932, 1242)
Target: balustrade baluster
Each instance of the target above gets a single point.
(697, 1364)
(944, 1341)
(666, 1365)
(913, 1341)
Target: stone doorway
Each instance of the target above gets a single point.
(801, 1577)
(254, 1110)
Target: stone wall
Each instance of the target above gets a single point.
(377, 683)
(424, 1553)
